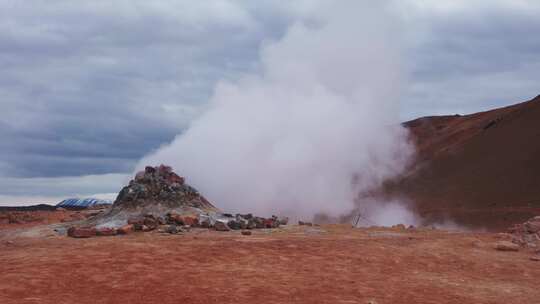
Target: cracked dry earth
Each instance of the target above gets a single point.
(296, 264)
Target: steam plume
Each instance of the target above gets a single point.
(315, 127)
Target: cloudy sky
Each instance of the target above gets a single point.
(88, 88)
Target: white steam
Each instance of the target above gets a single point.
(315, 127)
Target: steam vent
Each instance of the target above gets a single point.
(156, 191)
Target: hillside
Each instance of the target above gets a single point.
(481, 169)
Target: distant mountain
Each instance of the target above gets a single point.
(39, 207)
(481, 169)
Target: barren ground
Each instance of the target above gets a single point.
(297, 264)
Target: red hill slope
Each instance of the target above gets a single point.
(481, 169)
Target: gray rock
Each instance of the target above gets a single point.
(221, 226)
(234, 225)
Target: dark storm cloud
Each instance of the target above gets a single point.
(472, 56)
(90, 88)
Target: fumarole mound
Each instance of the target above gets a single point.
(157, 198)
(158, 188)
(155, 191)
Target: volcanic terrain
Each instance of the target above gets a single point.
(480, 170)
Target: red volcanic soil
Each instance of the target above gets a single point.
(27, 219)
(481, 169)
(295, 264)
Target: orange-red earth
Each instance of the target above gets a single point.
(295, 264)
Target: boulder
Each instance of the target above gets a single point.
(271, 223)
(172, 229)
(150, 222)
(106, 231)
(243, 222)
(81, 232)
(259, 222)
(190, 221)
(145, 228)
(246, 232)
(221, 226)
(506, 246)
(283, 220)
(245, 216)
(125, 229)
(234, 225)
(205, 223)
(251, 224)
(136, 221)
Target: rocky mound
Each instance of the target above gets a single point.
(156, 191)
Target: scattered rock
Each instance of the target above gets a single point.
(245, 216)
(205, 223)
(172, 229)
(150, 222)
(106, 231)
(81, 232)
(136, 222)
(283, 220)
(190, 221)
(145, 228)
(271, 222)
(221, 226)
(259, 222)
(535, 258)
(506, 246)
(234, 225)
(251, 224)
(125, 229)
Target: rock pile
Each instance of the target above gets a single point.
(527, 234)
(159, 199)
(176, 223)
(155, 191)
(158, 188)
